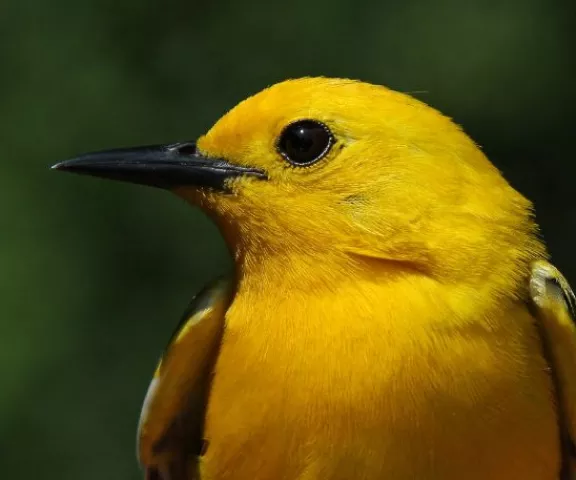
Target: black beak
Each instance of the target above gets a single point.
(163, 166)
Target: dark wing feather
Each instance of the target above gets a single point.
(555, 307)
(172, 418)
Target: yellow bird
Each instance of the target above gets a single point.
(392, 315)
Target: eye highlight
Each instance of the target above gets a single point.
(304, 142)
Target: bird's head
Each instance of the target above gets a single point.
(316, 166)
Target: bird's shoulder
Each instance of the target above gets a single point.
(554, 305)
(205, 306)
(171, 420)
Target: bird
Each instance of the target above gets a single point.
(392, 313)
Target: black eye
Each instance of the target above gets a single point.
(305, 142)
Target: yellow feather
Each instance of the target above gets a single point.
(379, 329)
(393, 316)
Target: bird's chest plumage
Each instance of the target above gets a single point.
(336, 395)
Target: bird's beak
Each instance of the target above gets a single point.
(164, 166)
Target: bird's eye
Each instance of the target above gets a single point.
(305, 142)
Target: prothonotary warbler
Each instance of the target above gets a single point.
(392, 315)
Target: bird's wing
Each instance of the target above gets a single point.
(555, 306)
(171, 421)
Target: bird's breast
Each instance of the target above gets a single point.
(356, 393)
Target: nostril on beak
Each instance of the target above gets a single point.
(186, 148)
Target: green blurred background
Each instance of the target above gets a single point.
(94, 274)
